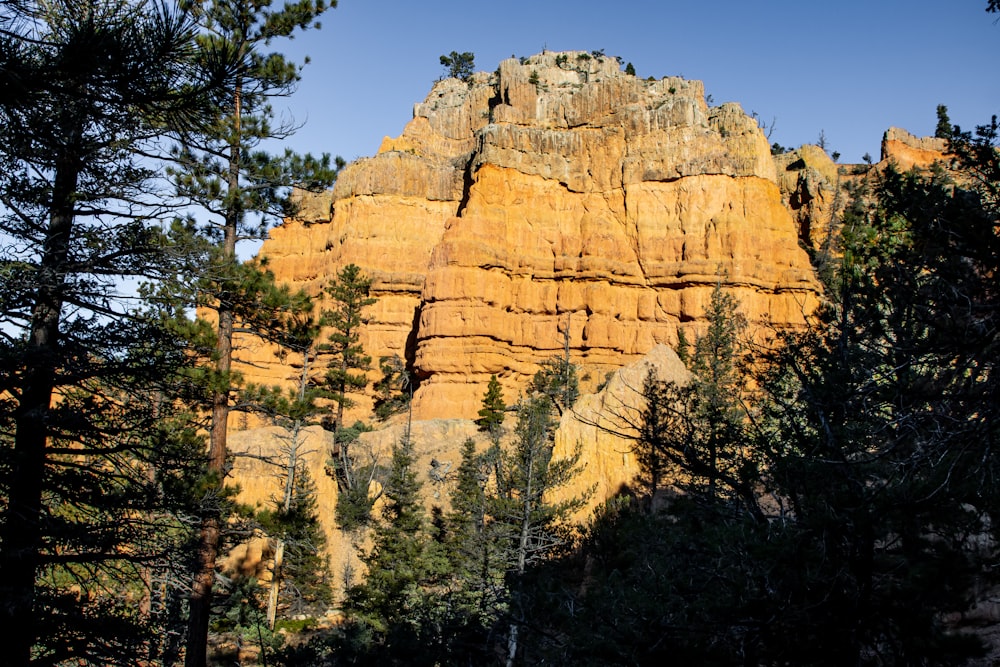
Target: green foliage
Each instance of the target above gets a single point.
(240, 615)
(459, 65)
(865, 441)
(944, 128)
(524, 475)
(557, 380)
(353, 510)
(349, 293)
(865, 452)
(240, 190)
(354, 506)
(396, 606)
(683, 347)
(693, 433)
(394, 390)
(478, 560)
(530, 527)
(630, 69)
(887, 402)
(304, 575)
(347, 374)
(491, 415)
(96, 444)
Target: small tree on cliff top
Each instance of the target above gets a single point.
(459, 65)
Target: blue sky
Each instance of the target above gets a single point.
(848, 68)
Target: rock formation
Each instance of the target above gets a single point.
(556, 199)
(556, 196)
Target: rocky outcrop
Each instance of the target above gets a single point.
(555, 202)
(907, 151)
(816, 190)
(603, 425)
(554, 197)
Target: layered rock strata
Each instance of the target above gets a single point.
(556, 197)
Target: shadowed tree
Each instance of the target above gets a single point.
(240, 189)
(90, 91)
(528, 524)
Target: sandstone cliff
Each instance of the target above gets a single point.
(555, 194)
(554, 197)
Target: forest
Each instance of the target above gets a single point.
(824, 496)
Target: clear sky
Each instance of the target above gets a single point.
(848, 68)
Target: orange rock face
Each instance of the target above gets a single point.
(555, 197)
(908, 151)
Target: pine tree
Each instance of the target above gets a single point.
(397, 599)
(346, 375)
(241, 189)
(694, 432)
(492, 413)
(881, 413)
(394, 390)
(299, 569)
(459, 65)
(477, 557)
(944, 128)
(558, 380)
(293, 523)
(528, 524)
(89, 371)
(717, 387)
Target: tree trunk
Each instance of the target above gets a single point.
(21, 537)
(293, 463)
(272, 597)
(210, 535)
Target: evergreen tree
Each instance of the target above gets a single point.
(477, 558)
(300, 573)
(397, 600)
(90, 477)
(394, 390)
(558, 380)
(492, 413)
(346, 375)
(528, 524)
(293, 523)
(459, 65)
(694, 433)
(721, 457)
(241, 189)
(944, 129)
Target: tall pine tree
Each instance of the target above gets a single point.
(346, 375)
(240, 189)
(91, 88)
